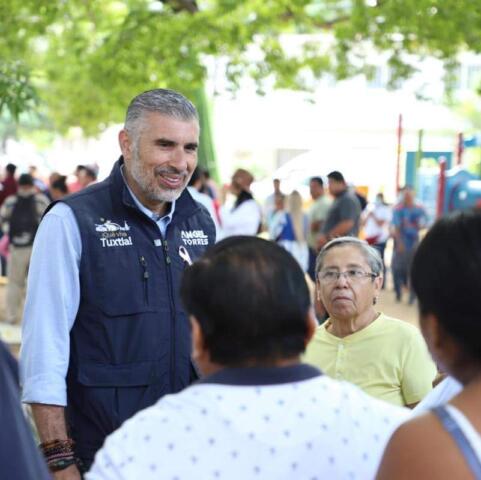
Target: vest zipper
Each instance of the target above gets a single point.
(145, 278)
(168, 261)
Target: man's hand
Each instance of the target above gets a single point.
(50, 422)
(400, 247)
(69, 473)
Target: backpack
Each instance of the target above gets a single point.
(24, 221)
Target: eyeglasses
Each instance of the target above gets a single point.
(353, 275)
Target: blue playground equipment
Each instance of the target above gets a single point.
(440, 187)
(459, 190)
(411, 170)
(463, 190)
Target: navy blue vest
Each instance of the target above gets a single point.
(130, 343)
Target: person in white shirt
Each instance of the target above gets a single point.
(258, 412)
(195, 189)
(376, 220)
(244, 216)
(270, 201)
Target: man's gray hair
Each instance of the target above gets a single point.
(372, 256)
(163, 101)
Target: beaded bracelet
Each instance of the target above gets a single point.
(59, 454)
(60, 464)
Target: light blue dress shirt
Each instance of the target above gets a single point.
(52, 302)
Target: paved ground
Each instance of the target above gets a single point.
(387, 302)
(403, 311)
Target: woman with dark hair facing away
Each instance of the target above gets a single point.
(258, 413)
(446, 276)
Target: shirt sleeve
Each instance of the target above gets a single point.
(42, 202)
(348, 210)
(418, 370)
(396, 218)
(52, 301)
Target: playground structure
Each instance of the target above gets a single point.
(440, 186)
(447, 189)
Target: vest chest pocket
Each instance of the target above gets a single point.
(123, 282)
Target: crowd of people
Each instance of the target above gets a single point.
(301, 227)
(163, 338)
(342, 211)
(23, 200)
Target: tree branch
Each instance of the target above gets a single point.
(323, 25)
(329, 24)
(182, 5)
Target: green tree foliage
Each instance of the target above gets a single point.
(84, 60)
(17, 90)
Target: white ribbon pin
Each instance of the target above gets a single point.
(184, 255)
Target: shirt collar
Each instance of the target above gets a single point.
(165, 219)
(258, 376)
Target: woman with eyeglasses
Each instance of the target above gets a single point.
(384, 356)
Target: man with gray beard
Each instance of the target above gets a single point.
(105, 334)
